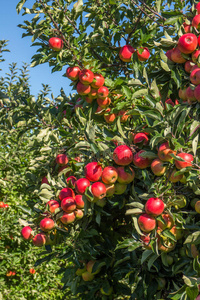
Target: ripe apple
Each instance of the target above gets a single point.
(98, 190)
(190, 94)
(197, 206)
(120, 188)
(154, 206)
(2, 205)
(102, 92)
(188, 66)
(98, 81)
(140, 137)
(53, 205)
(44, 180)
(158, 168)
(126, 53)
(46, 224)
(86, 76)
(196, 21)
(73, 73)
(88, 99)
(32, 271)
(195, 56)
(26, 232)
(87, 276)
(176, 56)
(110, 189)
(71, 180)
(168, 222)
(93, 93)
(188, 159)
(62, 159)
(123, 155)
(103, 102)
(68, 204)
(93, 171)
(164, 152)
(144, 55)
(39, 239)
(81, 185)
(109, 175)
(197, 93)
(182, 94)
(146, 222)
(187, 43)
(175, 179)
(6, 205)
(109, 118)
(197, 7)
(177, 232)
(100, 111)
(141, 162)
(125, 175)
(79, 201)
(56, 43)
(146, 241)
(68, 218)
(83, 89)
(79, 213)
(169, 54)
(169, 101)
(66, 192)
(195, 76)
(123, 116)
(187, 27)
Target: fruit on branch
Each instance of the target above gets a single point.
(177, 232)
(66, 192)
(93, 171)
(3, 205)
(68, 204)
(104, 102)
(188, 159)
(98, 81)
(81, 185)
(169, 54)
(180, 201)
(197, 93)
(6, 205)
(146, 222)
(26, 232)
(109, 175)
(176, 56)
(154, 206)
(187, 27)
(90, 265)
(62, 159)
(197, 207)
(169, 101)
(187, 43)
(195, 56)
(109, 117)
(86, 76)
(182, 94)
(196, 21)
(68, 218)
(188, 66)
(79, 213)
(158, 167)
(190, 94)
(39, 239)
(197, 7)
(120, 188)
(126, 53)
(102, 92)
(98, 190)
(44, 180)
(71, 180)
(168, 222)
(140, 137)
(195, 76)
(93, 93)
(87, 276)
(146, 239)
(125, 175)
(110, 189)
(169, 245)
(143, 53)
(123, 116)
(176, 178)
(46, 224)
(79, 201)
(88, 99)
(53, 205)
(73, 73)
(123, 155)
(141, 162)
(164, 152)
(56, 43)
(83, 89)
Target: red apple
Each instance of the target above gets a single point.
(102, 92)
(123, 116)
(120, 188)
(175, 179)
(126, 53)
(125, 175)
(62, 159)
(176, 56)
(103, 102)
(146, 222)
(93, 93)
(188, 66)
(123, 155)
(88, 99)
(188, 159)
(81, 185)
(154, 206)
(93, 171)
(197, 93)
(187, 43)
(73, 73)
(169, 54)
(6, 205)
(71, 180)
(190, 94)
(140, 161)
(109, 175)
(169, 101)
(196, 21)
(86, 76)
(53, 205)
(168, 222)
(144, 55)
(26, 232)
(79, 213)
(109, 118)
(68, 218)
(157, 166)
(83, 89)
(164, 152)
(146, 241)
(98, 190)
(98, 81)
(44, 180)
(100, 111)
(79, 201)
(182, 94)
(46, 224)
(140, 137)
(39, 240)
(56, 43)
(66, 192)
(110, 189)
(195, 76)
(68, 204)
(195, 56)
(187, 27)
(2, 205)
(197, 7)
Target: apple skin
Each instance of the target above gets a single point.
(126, 53)
(98, 190)
(123, 116)
(44, 180)
(187, 27)
(197, 207)
(188, 66)
(196, 21)
(175, 179)
(169, 54)
(98, 81)
(146, 222)
(158, 167)
(195, 76)
(66, 192)
(79, 213)
(88, 99)
(68, 218)
(86, 76)
(183, 164)
(93, 171)
(187, 43)
(182, 94)
(177, 232)
(197, 93)
(46, 224)
(79, 201)
(87, 276)
(169, 101)
(144, 55)
(81, 185)
(73, 73)
(197, 7)
(56, 44)
(83, 89)
(2, 205)
(62, 159)
(195, 56)
(103, 102)
(102, 92)
(146, 240)
(53, 205)
(93, 93)
(123, 155)
(109, 118)
(26, 232)
(141, 162)
(164, 152)
(140, 137)
(120, 188)
(39, 240)
(71, 180)
(190, 94)
(124, 176)
(110, 189)
(168, 222)
(109, 175)
(198, 298)
(68, 204)
(176, 56)
(154, 206)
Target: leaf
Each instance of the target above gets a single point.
(195, 144)
(128, 243)
(136, 204)
(152, 260)
(127, 92)
(135, 222)
(145, 255)
(78, 6)
(20, 5)
(148, 154)
(140, 93)
(133, 211)
(120, 128)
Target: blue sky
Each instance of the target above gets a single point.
(21, 51)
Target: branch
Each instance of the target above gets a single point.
(153, 11)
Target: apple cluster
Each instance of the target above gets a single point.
(86, 271)
(127, 51)
(3, 205)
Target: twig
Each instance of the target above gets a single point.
(153, 11)
(135, 27)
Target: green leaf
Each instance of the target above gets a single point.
(127, 92)
(195, 144)
(133, 211)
